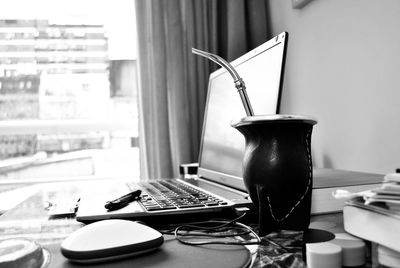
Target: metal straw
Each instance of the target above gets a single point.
(239, 83)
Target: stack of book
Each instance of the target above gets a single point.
(375, 216)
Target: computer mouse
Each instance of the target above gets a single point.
(109, 240)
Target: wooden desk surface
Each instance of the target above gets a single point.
(30, 220)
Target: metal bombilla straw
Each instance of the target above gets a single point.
(239, 83)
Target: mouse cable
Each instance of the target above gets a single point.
(217, 230)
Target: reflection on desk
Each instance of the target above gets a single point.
(30, 220)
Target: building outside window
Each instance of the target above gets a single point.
(68, 88)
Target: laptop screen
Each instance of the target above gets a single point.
(222, 146)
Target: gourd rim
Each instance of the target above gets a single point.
(273, 118)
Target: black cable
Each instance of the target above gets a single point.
(196, 230)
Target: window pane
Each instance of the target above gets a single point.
(68, 86)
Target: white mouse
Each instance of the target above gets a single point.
(110, 239)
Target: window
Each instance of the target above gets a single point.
(68, 88)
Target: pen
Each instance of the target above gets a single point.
(122, 201)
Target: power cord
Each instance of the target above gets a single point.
(216, 229)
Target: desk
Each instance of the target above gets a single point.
(30, 220)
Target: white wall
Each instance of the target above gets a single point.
(343, 67)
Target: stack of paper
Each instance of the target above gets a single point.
(388, 193)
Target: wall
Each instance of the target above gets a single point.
(343, 67)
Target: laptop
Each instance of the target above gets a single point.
(218, 187)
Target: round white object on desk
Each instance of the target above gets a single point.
(388, 257)
(323, 254)
(18, 252)
(353, 249)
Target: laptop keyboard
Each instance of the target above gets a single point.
(172, 194)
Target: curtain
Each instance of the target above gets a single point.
(173, 81)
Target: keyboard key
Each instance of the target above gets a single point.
(190, 205)
(159, 208)
(211, 203)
